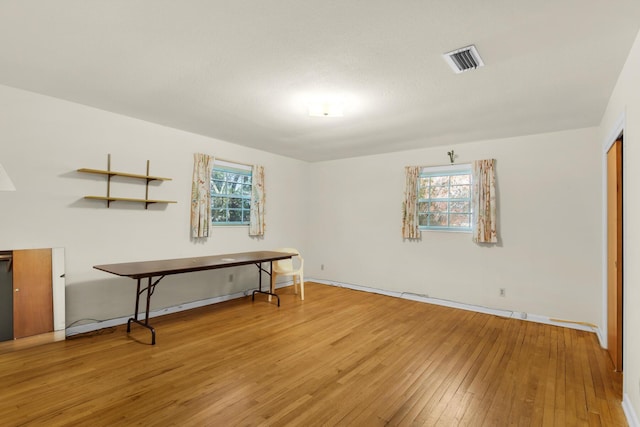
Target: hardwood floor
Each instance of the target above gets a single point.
(341, 357)
(10, 346)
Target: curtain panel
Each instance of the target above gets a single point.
(410, 228)
(484, 201)
(256, 221)
(201, 195)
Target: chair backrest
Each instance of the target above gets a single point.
(286, 264)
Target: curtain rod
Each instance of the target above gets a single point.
(446, 165)
(231, 161)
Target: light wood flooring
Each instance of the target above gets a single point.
(341, 357)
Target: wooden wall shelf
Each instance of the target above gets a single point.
(110, 173)
(124, 174)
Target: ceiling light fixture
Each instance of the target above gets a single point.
(326, 110)
(326, 106)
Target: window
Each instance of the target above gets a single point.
(444, 198)
(230, 193)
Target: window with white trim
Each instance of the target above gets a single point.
(444, 198)
(230, 193)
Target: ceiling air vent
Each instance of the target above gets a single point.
(464, 59)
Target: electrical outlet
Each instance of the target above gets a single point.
(321, 266)
(503, 292)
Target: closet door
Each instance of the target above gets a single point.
(32, 292)
(614, 254)
(6, 297)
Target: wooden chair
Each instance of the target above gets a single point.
(289, 267)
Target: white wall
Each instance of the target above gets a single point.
(549, 256)
(43, 141)
(625, 102)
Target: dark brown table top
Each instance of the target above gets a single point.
(141, 269)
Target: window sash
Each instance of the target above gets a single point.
(451, 210)
(231, 203)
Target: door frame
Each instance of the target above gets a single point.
(611, 139)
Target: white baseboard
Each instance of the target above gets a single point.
(470, 307)
(94, 326)
(601, 338)
(629, 412)
(89, 327)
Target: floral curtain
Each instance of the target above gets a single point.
(410, 204)
(201, 195)
(256, 221)
(484, 201)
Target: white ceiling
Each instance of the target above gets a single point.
(239, 70)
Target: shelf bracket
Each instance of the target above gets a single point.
(108, 180)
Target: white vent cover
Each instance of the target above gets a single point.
(463, 59)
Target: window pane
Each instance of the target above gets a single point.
(246, 189)
(233, 177)
(423, 206)
(220, 202)
(218, 187)
(459, 207)
(234, 188)
(235, 215)
(216, 174)
(438, 207)
(440, 180)
(460, 220)
(246, 216)
(422, 219)
(235, 202)
(438, 219)
(423, 192)
(439, 192)
(423, 181)
(219, 215)
(460, 191)
(246, 204)
(460, 179)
